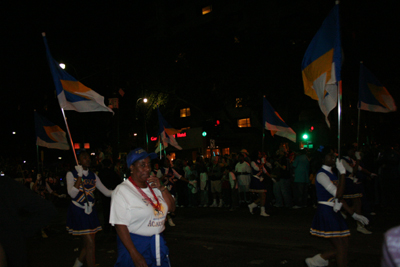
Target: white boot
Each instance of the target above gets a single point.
(214, 204)
(316, 261)
(263, 212)
(251, 207)
(170, 222)
(78, 263)
(220, 203)
(361, 228)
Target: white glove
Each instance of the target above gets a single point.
(337, 206)
(79, 169)
(62, 196)
(358, 155)
(39, 176)
(88, 208)
(340, 167)
(360, 218)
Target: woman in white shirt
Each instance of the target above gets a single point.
(139, 208)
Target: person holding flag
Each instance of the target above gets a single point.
(82, 219)
(328, 222)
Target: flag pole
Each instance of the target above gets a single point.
(358, 128)
(73, 149)
(159, 140)
(339, 104)
(37, 158)
(359, 115)
(263, 131)
(70, 138)
(37, 149)
(339, 113)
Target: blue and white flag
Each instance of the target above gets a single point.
(49, 135)
(274, 123)
(372, 95)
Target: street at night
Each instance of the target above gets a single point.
(217, 107)
(218, 237)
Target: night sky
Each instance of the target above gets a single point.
(107, 46)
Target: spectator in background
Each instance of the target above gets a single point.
(215, 176)
(242, 172)
(234, 188)
(203, 177)
(301, 165)
(282, 187)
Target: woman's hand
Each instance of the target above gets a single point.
(154, 182)
(138, 260)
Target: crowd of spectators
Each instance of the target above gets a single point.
(216, 181)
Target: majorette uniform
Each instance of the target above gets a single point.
(79, 222)
(256, 183)
(353, 187)
(327, 223)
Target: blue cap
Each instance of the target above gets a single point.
(138, 154)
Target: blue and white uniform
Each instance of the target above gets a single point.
(256, 183)
(171, 177)
(353, 187)
(327, 223)
(82, 216)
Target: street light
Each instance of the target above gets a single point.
(64, 66)
(144, 100)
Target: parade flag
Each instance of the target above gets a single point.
(49, 135)
(373, 96)
(321, 64)
(166, 133)
(274, 123)
(72, 94)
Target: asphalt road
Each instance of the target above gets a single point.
(219, 237)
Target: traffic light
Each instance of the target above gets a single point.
(204, 133)
(305, 137)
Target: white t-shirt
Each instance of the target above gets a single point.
(203, 180)
(244, 168)
(130, 208)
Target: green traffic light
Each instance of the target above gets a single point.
(305, 136)
(204, 134)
